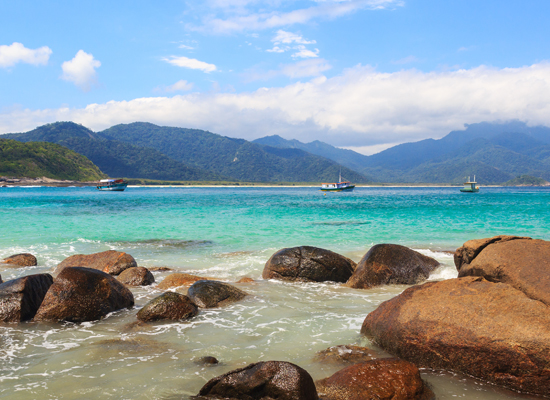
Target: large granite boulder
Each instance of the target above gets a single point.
(208, 294)
(387, 264)
(168, 306)
(20, 298)
(520, 262)
(387, 379)
(179, 279)
(21, 260)
(308, 264)
(469, 250)
(488, 330)
(83, 294)
(111, 262)
(270, 380)
(136, 276)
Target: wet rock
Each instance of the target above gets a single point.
(207, 360)
(20, 298)
(83, 294)
(519, 262)
(136, 276)
(245, 279)
(487, 330)
(470, 249)
(168, 306)
(21, 260)
(208, 294)
(179, 279)
(1, 279)
(268, 380)
(111, 262)
(160, 269)
(387, 379)
(347, 354)
(309, 264)
(387, 264)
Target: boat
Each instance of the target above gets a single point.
(115, 185)
(470, 186)
(340, 186)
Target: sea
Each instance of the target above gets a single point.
(229, 233)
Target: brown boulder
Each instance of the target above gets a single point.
(308, 264)
(179, 279)
(21, 260)
(245, 279)
(270, 380)
(387, 379)
(387, 264)
(487, 330)
(83, 294)
(470, 249)
(136, 276)
(521, 263)
(208, 294)
(111, 262)
(20, 298)
(168, 306)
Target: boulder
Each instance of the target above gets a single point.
(111, 262)
(470, 249)
(208, 294)
(470, 325)
(387, 264)
(20, 298)
(520, 262)
(270, 380)
(387, 379)
(308, 264)
(245, 279)
(168, 306)
(83, 294)
(136, 276)
(207, 360)
(346, 354)
(179, 279)
(21, 260)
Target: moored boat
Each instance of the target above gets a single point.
(470, 186)
(340, 186)
(116, 185)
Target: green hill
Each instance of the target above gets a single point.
(38, 159)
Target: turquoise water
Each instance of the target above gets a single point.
(228, 233)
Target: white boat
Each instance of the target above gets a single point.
(116, 185)
(340, 186)
(470, 186)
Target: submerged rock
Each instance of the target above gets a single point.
(168, 306)
(180, 279)
(309, 264)
(20, 298)
(21, 260)
(386, 264)
(83, 294)
(346, 354)
(491, 331)
(387, 379)
(208, 294)
(268, 380)
(111, 262)
(207, 360)
(136, 276)
(245, 279)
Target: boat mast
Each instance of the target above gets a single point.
(340, 180)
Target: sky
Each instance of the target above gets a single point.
(357, 74)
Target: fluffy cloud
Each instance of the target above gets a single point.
(361, 107)
(81, 70)
(283, 40)
(16, 52)
(190, 63)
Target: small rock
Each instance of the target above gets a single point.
(160, 269)
(208, 294)
(168, 306)
(20, 298)
(136, 276)
(346, 354)
(178, 280)
(207, 360)
(21, 260)
(245, 279)
(111, 262)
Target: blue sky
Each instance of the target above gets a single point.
(360, 74)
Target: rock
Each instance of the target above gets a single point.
(178, 280)
(111, 261)
(136, 276)
(208, 294)
(270, 380)
(160, 269)
(82, 294)
(470, 249)
(1, 279)
(21, 260)
(207, 360)
(308, 264)
(20, 298)
(245, 279)
(387, 264)
(519, 262)
(387, 379)
(168, 306)
(487, 330)
(346, 354)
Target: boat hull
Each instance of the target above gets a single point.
(117, 187)
(469, 190)
(344, 189)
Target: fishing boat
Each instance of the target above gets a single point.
(340, 186)
(116, 185)
(470, 186)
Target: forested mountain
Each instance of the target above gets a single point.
(38, 159)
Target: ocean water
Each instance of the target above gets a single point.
(229, 233)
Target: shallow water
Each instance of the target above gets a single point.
(229, 233)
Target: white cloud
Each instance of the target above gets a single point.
(185, 47)
(361, 107)
(81, 70)
(179, 86)
(287, 38)
(301, 69)
(305, 53)
(16, 52)
(190, 63)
